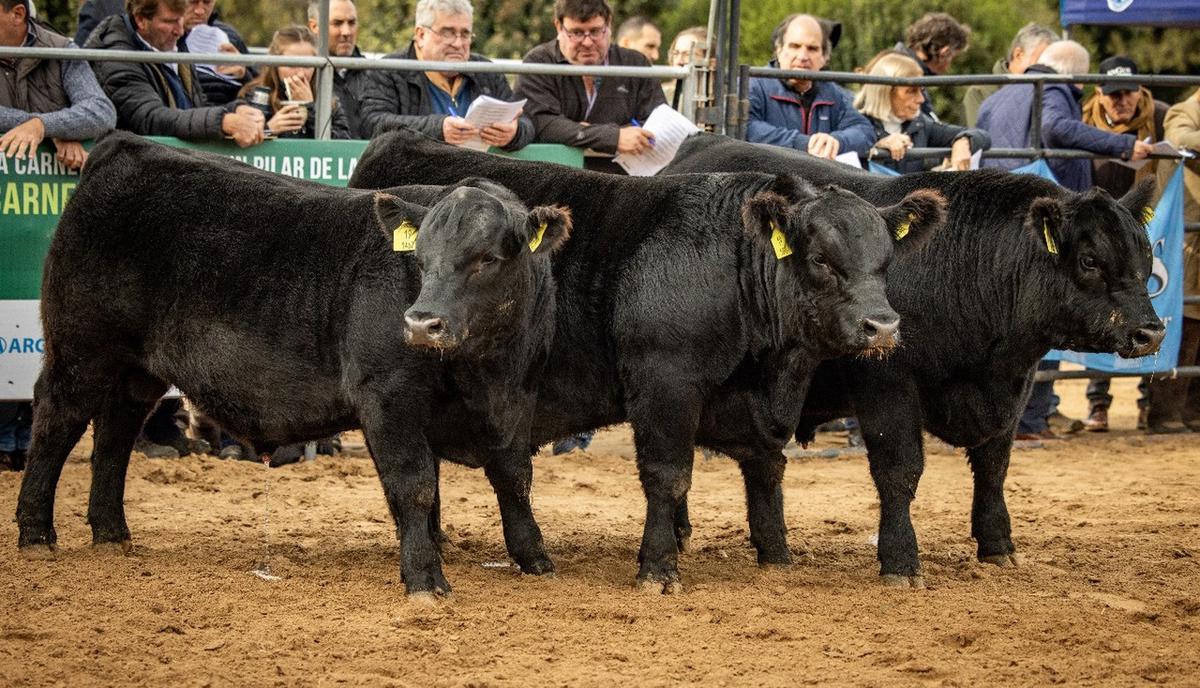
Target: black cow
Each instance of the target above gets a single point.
(1022, 267)
(175, 267)
(676, 313)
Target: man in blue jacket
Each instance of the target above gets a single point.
(817, 117)
(1006, 115)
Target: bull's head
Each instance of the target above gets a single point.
(833, 250)
(1102, 260)
(476, 249)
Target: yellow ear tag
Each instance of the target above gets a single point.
(779, 242)
(404, 237)
(1147, 215)
(537, 238)
(1050, 245)
(902, 230)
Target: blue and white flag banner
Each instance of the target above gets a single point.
(1165, 286)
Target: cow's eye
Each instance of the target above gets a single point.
(819, 261)
(1088, 262)
(487, 259)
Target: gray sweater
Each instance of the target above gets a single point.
(90, 114)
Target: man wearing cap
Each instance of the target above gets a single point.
(1124, 108)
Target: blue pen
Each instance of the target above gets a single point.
(453, 112)
(635, 122)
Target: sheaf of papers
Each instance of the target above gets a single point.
(487, 110)
(975, 158)
(849, 158)
(207, 39)
(670, 129)
(1160, 148)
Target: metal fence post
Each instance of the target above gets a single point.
(1035, 120)
(323, 127)
(743, 101)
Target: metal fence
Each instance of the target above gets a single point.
(729, 97)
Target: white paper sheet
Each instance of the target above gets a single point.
(849, 158)
(975, 158)
(487, 110)
(670, 129)
(1161, 148)
(208, 39)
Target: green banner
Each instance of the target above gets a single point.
(35, 191)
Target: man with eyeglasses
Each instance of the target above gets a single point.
(602, 114)
(434, 102)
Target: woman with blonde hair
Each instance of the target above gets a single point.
(895, 112)
(291, 88)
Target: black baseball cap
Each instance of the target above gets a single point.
(1118, 65)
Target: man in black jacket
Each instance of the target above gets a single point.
(348, 84)
(164, 99)
(602, 114)
(435, 102)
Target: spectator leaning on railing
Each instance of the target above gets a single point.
(164, 99)
(1006, 116)
(348, 84)
(435, 102)
(39, 99)
(1127, 109)
(816, 117)
(895, 112)
(1026, 48)
(600, 113)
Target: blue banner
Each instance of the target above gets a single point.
(1164, 13)
(875, 167)
(1165, 286)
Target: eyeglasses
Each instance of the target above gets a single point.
(448, 34)
(576, 36)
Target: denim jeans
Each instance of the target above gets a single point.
(1042, 403)
(16, 425)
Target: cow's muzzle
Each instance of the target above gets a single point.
(427, 329)
(880, 336)
(1145, 340)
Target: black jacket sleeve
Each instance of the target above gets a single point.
(385, 94)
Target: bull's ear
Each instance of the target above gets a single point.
(548, 228)
(1045, 223)
(764, 217)
(915, 219)
(398, 219)
(1139, 200)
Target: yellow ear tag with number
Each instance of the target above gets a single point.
(1050, 245)
(1147, 215)
(537, 238)
(404, 237)
(902, 230)
(779, 242)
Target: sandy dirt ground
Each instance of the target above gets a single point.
(1109, 592)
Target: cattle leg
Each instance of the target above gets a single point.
(663, 439)
(990, 524)
(763, 476)
(408, 472)
(896, 456)
(115, 429)
(683, 525)
(59, 420)
(511, 476)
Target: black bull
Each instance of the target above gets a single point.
(677, 313)
(214, 282)
(1022, 267)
